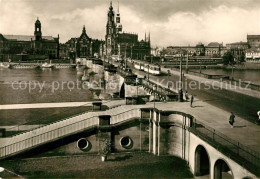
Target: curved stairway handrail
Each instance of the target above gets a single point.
(38, 137)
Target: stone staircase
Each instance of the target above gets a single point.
(51, 132)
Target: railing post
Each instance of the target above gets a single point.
(238, 148)
(213, 134)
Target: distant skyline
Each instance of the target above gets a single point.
(170, 22)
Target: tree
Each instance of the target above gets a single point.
(216, 55)
(105, 149)
(202, 53)
(241, 58)
(228, 58)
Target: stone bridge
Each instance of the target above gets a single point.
(140, 128)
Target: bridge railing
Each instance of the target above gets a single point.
(133, 113)
(35, 137)
(60, 116)
(238, 152)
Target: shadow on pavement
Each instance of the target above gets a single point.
(121, 158)
(239, 126)
(197, 106)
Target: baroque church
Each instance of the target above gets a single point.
(118, 42)
(29, 47)
(83, 46)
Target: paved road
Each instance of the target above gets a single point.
(242, 105)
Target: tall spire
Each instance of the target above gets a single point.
(84, 29)
(111, 6)
(118, 7)
(149, 37)
(145, 37)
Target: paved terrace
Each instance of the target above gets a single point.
(244, 132)
(57, 105)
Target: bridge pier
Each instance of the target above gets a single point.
(155, 133)
(170, 133)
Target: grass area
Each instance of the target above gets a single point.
(123, 165)
(38, 115)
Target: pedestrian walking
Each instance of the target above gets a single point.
(191, 100)
(232, 119)
(258, 113)
(186, 96)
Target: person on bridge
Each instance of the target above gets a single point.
(186, 96)
(232, 119)
(191, 100)
(258, 113)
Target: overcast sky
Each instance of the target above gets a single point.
(170, 22)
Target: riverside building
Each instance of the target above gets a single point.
(29, 47)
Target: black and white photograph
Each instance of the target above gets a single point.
(130, 89)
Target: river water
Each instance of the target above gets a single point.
(24, 86)
(245, 75)
(40, 86)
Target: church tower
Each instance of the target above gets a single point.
(118, 24)
(37, 30)
(110, 31)
(110, 20)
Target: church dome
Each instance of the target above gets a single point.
(37, 21)
(118, 25)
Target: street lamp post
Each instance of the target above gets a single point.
(180, 87)
(131, 52)
(187, 61)
(148, 66)
(154, 97)
(169, 74)
(125, 55)
(137, 80)
(232, 65)
(200, 65)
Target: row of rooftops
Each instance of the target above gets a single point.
(26, 37)
(216, 44)
(211, 44)
(253, 36)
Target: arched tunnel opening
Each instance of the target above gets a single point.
(222, 170)
(126, 142)
(202, 166)
(82, 143)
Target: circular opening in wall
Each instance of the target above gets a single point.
(82, 143)
(126, 142)
(147, 128)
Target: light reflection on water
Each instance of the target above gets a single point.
(244, 75)
(10, 95)
(58, 85)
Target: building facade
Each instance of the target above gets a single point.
(26, 47)
(213, 49)
(253, 55)
(121, 43)
(253, 52)
(83, 46)
(253, 41)
(238, 49)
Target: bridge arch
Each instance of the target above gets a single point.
(202, 161)
(222, 170)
